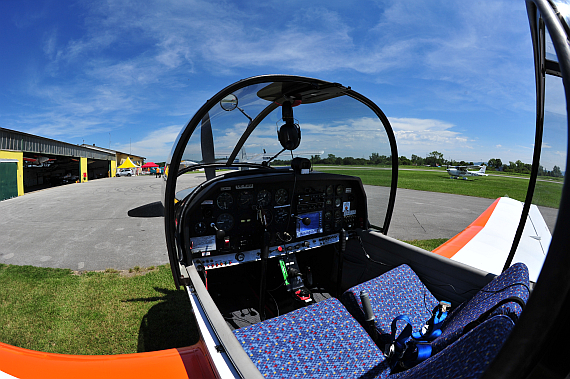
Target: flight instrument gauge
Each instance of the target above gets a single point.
(245, 199)
(339, 189)
(225, 221)
(281, 215)
(225, 200)
(200, 228)
(281, 196)
(263, 198)
(330, 190)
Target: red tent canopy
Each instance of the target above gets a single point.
(149, 164)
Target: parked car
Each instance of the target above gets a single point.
(125, 172)
(69, 179)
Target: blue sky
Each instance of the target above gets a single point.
(451, 76)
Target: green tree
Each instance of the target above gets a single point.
(348, 161)
(330, 159)
(377, 159)
(495, 163)
(418, 161)
(434, 158)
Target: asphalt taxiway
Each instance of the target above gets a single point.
(118, 222)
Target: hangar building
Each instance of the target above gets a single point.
(28, 162)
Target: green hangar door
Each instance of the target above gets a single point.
(8, 179)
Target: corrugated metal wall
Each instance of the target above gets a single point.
(17, 141)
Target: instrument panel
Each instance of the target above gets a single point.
(224, 221)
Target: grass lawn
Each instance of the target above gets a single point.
(437, 180)
(55, 310)
(428, 245)
(99, 313)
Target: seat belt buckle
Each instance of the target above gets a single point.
(445, 306)
(389, 350)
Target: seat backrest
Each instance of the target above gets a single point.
(469, 356)
(514, 282)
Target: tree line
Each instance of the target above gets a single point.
(433, 159)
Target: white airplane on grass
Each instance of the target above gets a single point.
(462, 172)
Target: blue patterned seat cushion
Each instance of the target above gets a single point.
(513, 282)
(394, 293)
(321, 340)
(400, 291)
(469, 356)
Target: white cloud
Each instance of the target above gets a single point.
(419, 132)
(155, 146)
(132, 59)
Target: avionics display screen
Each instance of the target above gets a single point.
(316, 225)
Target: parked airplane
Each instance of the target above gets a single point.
(287, 276)
(38, 160)
(187, 163)
(463, 173)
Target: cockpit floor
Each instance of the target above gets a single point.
(235, 290)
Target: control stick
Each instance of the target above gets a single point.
(369, 319)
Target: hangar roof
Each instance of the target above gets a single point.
(29, 143)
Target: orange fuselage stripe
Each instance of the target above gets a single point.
(171, 363)
(451, 247)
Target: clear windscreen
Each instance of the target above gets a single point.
(539, 226)
(552, 169)
(339, 135)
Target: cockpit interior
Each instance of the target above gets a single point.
(277, 256)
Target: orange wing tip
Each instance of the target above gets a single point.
(456, 243)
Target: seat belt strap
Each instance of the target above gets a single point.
(394, 351)
(432, 329)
